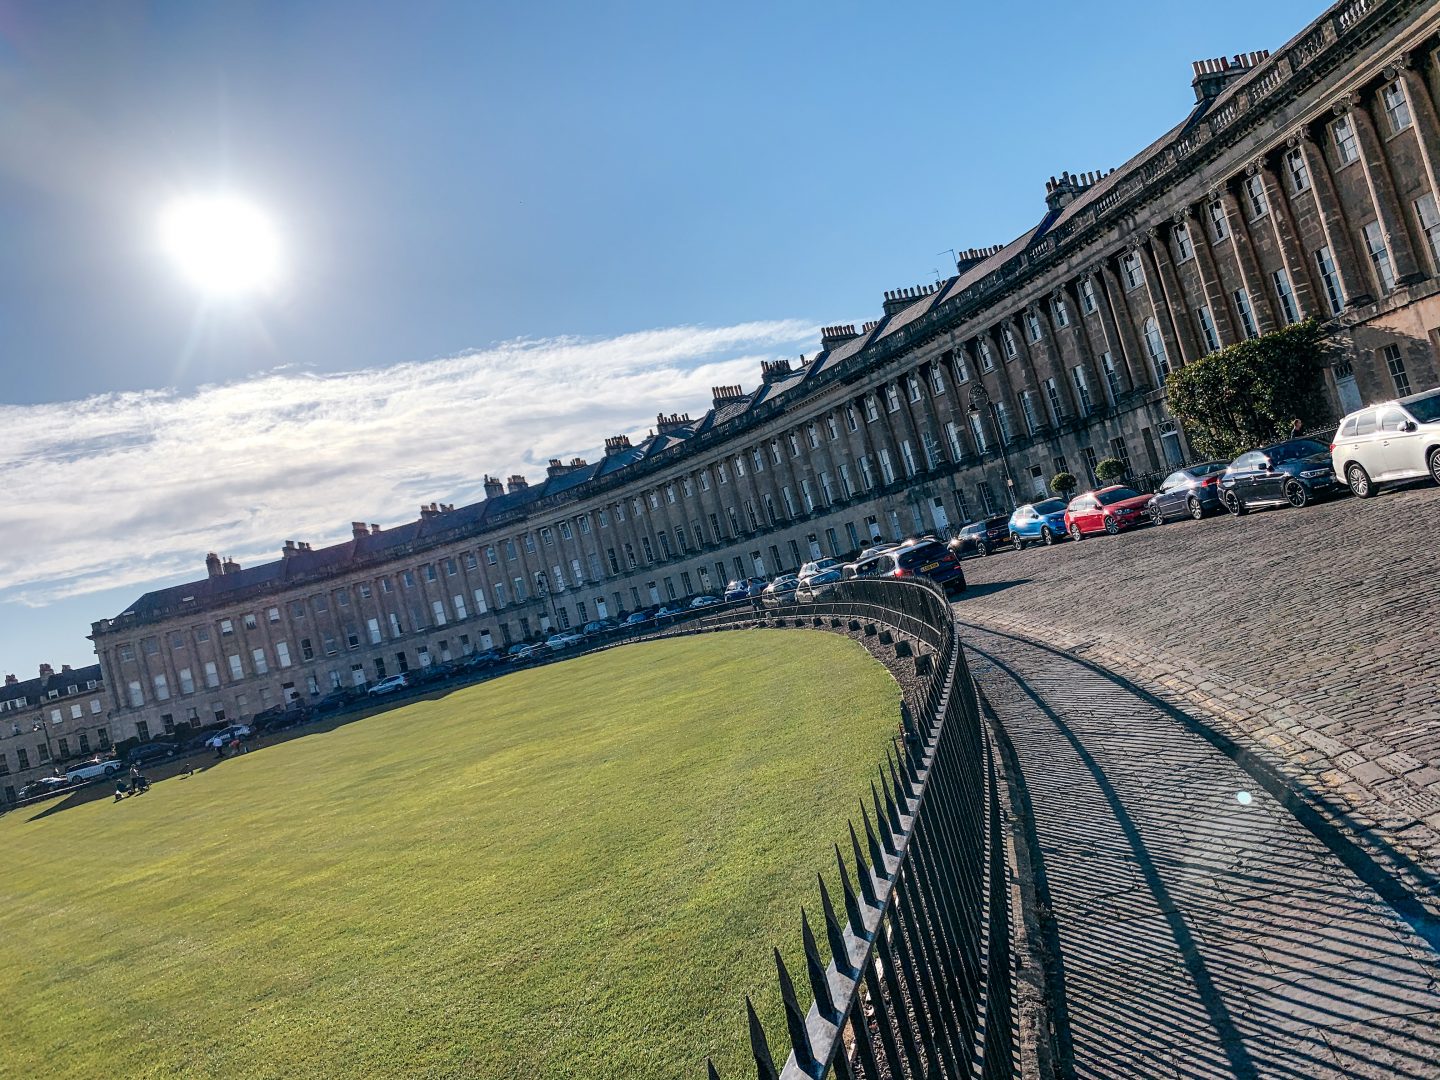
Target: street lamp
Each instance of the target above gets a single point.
(980, 401)
(542, 585)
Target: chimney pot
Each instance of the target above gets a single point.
(11, 680)
(212, 565)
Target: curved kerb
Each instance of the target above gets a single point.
(918, 981)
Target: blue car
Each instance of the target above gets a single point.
(1041, 522)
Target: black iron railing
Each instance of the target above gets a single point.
(916, 918)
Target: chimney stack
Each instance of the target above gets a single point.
(374, 529)
(231, 566)
(833, 336)
(212, 565)
(493, 487)
(899, 299)
(774, 370)
(516, 483)
(1212, 76)
(11, 680)
(358, 530)
(616, 444)
(288, 550)
(429, 511)
(664, 424)
(46, 671)
(727, 395)
(66, 669)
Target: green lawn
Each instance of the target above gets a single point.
(573, 871)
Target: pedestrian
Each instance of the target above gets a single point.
(119, 790)
(219, 750)
(1296, 428)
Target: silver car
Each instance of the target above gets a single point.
(1396, 440)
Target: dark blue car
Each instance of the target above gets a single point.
(1294, 472)
(1193, 491)
(1038, 523)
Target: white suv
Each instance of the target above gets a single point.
(1397, 440)
(89, 770)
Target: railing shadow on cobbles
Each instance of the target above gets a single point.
(918, 983)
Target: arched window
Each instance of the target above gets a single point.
(1155, 346)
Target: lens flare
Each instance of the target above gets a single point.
(223, 245)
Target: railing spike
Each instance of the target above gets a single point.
(867, 883)
(892, 805)
(835, 934)
(710, 1073)
(759, 1048)
(852, 906)
(882, 822)
(794, 1017)
(872, 845)
(815, 971)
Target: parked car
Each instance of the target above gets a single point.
(704, 601)
(45, 785)
(148, 752)
(636, 618)
(1293, 472)
(922, 558)
(827, 568)
(744, 588)
(599, 626)
(1110, 510)
(524, 653)
(1042, 522)
(669, 611)
(564, 640)
(337, 700)
(982, 537)
(389, 686)
(1193, 491)
(875, 549)
(227, 735)
(1398, 440)
(81, 771)
(780, 591)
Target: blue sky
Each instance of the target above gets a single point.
(510, 231)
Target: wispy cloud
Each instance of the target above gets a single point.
(134, 488)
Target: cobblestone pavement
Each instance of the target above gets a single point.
(1201, 930)
(1309, 637)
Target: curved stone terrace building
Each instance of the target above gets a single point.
(50, 720)
(1302, 183)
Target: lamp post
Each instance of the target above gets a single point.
(542, 585)
(980, 402)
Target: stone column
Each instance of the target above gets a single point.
(1354, 282)
(1244, 254)
(1215, 297)
(1287, 239)
(1179, 312)
(1423, 116)
(1383, 194)
(1124, 324)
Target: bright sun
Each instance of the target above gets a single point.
(223, 245)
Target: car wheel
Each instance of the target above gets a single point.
(1196, 510)
(982, 549)
(1157, 515)
(1359, 481)
(1111, 525)
(1234, 505)
(1019, 544)
(1046, 536)
(1076, 534)
(1434, 461)
(1296, 494)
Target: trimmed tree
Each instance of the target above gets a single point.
(1064, 484)
(1110, 470)
(1247, 394)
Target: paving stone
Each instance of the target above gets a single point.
(1203, 931)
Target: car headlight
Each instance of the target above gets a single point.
(1311, 474)
(1124, 510)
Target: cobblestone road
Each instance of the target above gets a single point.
(1310, 637)
(1202, 931)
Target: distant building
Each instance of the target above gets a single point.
(1302, 183)
(48, 721)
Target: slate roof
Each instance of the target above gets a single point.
(34, 691)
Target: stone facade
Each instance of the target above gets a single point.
(50, 720)
(1302, 184)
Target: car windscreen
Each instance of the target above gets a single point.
(1114, 495)
(1294, 450)
(1050, 506)
(1210, 468)
(1425, 409)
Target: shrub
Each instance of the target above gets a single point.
(1064, 483)
(1109, 470)
(1247, 394)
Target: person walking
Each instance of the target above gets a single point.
(1296, 428)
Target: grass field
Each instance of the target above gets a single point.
(573, 871)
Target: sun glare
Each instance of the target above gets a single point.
(223, 245)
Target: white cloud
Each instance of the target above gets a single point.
(134, 488)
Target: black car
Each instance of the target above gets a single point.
(148, 752)
(1293, 472)
(337, 700)
(1193, 491)
(923, 558)
(982, 537)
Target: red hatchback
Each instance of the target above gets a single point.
(1108, 510)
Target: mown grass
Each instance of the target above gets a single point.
(574, 871)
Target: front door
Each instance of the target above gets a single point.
(942, 520)
(1398, 452)
(1346, 389)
